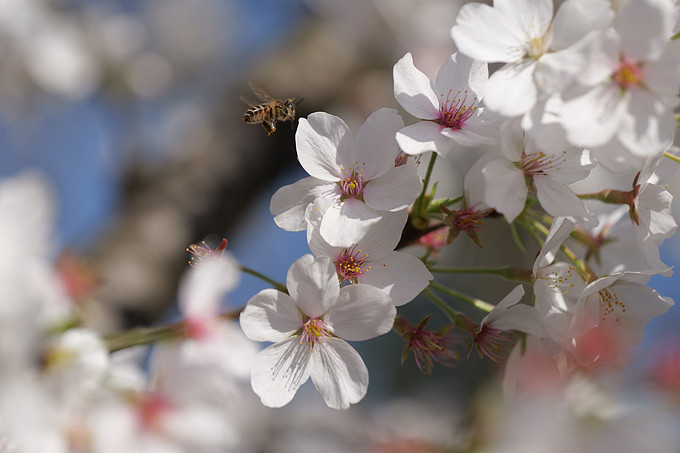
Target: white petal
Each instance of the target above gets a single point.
(460, 73)
(321, 141)
(644, 26)
(401, 275)
(378, 240)
(661, 75)
(339, 374)
(506, 189)
(533, 17)
(521, 318)
(362, 312)
(560, 229)
(484, 33)
(422, 137)
(270, 315)
(346, 223)
(382, 237)
(288, 204)
(602, 54)
(314, 215)
(592, 117)
(512, 139)
(480, 129)
(511, 90)
(375, 145)
(279, 370)
(556, 291)
(558, 200)
(576, 18)
(648, 126)
(202, 287)
(512, 298)
(414, 91)
(395, 190)
(313, 284)
(555, 70)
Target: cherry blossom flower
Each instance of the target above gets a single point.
(428, 346)
(210, 340)
(450, 107)
(309, 327)
(628, 87)
(179, 409)
(372, 260)
(524, 166)
(507, 316)
(357, 173)
(535, 46)
(651, 210)
(620, 303)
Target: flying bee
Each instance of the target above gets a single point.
(269, 111)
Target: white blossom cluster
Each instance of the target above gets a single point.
(590, 86)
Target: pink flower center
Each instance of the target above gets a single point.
(349, 263)
(352, 183)
(629, 75)
(315, 331)
(469, 219)
(150, 408)
(401, 159)
(456, 109)
(204, 252)
(197, 328)
(489, 340)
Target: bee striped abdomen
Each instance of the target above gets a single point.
(256, 114)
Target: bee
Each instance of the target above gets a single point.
(269, 111)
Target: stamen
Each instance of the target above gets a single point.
(352, 183)
(456, 109)
(314, 331)
(610, 305)
(628, 76)
(203, 252)
(349, 262)
(488, 342)
(540, 163)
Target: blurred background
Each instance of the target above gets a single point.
(131, 110)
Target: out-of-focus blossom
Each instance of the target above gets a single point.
(536, 47)
(628, 86)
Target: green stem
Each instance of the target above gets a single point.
(435, 205)
(147, 335)
(611, 196)
(443, 306)
(144, 335)
(420, 202)
(581, 266)
(675, 36)
(477, 303)
(279, 286)
(511, 273)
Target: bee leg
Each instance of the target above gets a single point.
(269, 127)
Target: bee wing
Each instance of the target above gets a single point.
(260, 92)
(250, 102)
